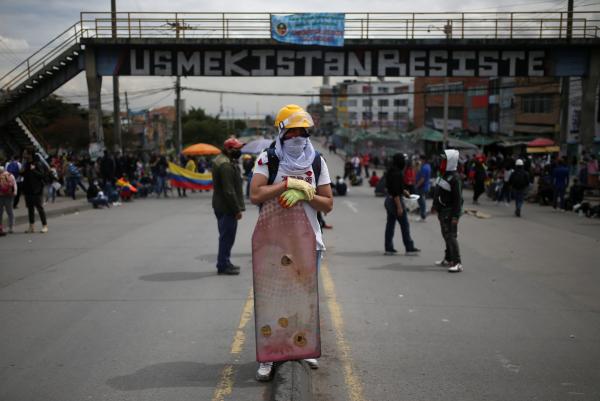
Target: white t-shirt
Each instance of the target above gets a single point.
(261, 167)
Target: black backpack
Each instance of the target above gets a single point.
(273, 165)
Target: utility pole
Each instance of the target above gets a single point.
(128, 114)
(448, 32)
(178, 113)
(565, 90)
(116, 104)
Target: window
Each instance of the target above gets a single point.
(352, 116)
(400, 116)
(400, 102)
(401, 89)
(382, 116)
(383, 89)
(352, 103)
(536, 104)
(453, 87)
(366, 88)
(367, 102)
(383, 102)
(367, 116)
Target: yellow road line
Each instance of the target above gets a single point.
(225, 386)
(353, 382)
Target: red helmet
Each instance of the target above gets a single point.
(233, 143)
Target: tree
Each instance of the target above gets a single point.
(200, 127)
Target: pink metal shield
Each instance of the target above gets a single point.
(286, 298)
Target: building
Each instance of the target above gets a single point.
(537, 107)
(468, 102)
(380, 104)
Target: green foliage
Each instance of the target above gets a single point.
(59, 124)
(200, 127)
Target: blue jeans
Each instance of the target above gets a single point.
(227, 224)
(559, 193)
(422, 202)
(519, 198)
(392, 217)
(161, 186)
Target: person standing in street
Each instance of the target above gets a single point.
(33, 190)
(422, 186)
(8, 189)
(519, 182)
(293, 171)
(480, 175)
(447, 202)
(16, 168)
(227, 202)
(560, 182)
(394, 206)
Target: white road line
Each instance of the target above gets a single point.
(351, 206)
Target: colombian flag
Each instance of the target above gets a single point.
(182, 178)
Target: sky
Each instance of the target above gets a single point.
(27, 25)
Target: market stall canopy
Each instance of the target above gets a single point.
(426, 134)
(543, 149)
(201, 149)
(459, 144)
(256, 146)
(540, 142)
(480, 140)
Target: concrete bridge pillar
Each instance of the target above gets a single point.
(589, 87)
(94, 84)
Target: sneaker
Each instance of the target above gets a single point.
(518, 212)
(313, 363)
(229, 271)
(391, 252)
(10, 231)
(2, 234)
(327, 226)
(30, 230)
(414, 251)
(234, 267)
(44, 230)
(263, 374)
(457, 268)
(420, 220)
(443, 263)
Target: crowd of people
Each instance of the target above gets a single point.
(104, 182)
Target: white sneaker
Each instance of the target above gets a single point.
(457, 268)
(263, 374)
(313, 363)
(443, 263)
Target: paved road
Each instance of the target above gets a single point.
(125, 304)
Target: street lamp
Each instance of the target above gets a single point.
(448, 32)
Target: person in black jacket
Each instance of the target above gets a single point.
(395, 209)
(33, 189)
(519, 182)
(447, 202)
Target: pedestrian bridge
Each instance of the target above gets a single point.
(240, 44)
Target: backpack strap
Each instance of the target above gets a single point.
(316, 166)
(272, 163)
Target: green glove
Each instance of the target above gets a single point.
(290, 197)
(295, 183)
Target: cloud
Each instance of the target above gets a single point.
(13, 44)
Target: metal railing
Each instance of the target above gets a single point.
(490, 25)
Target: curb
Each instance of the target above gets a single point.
(292, 381)
(53, 213)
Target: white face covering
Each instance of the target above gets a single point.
(295, 154)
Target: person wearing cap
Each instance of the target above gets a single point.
(294, 180)
(447, 202)
(519, 182)
(227, 202)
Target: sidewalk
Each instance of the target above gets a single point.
(62, 205)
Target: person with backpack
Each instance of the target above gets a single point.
(33, 190)
(8, 189)
(519, 182)
(293, 171)
(15, 168)
(447, 202)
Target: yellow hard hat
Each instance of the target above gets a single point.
(293, 116)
